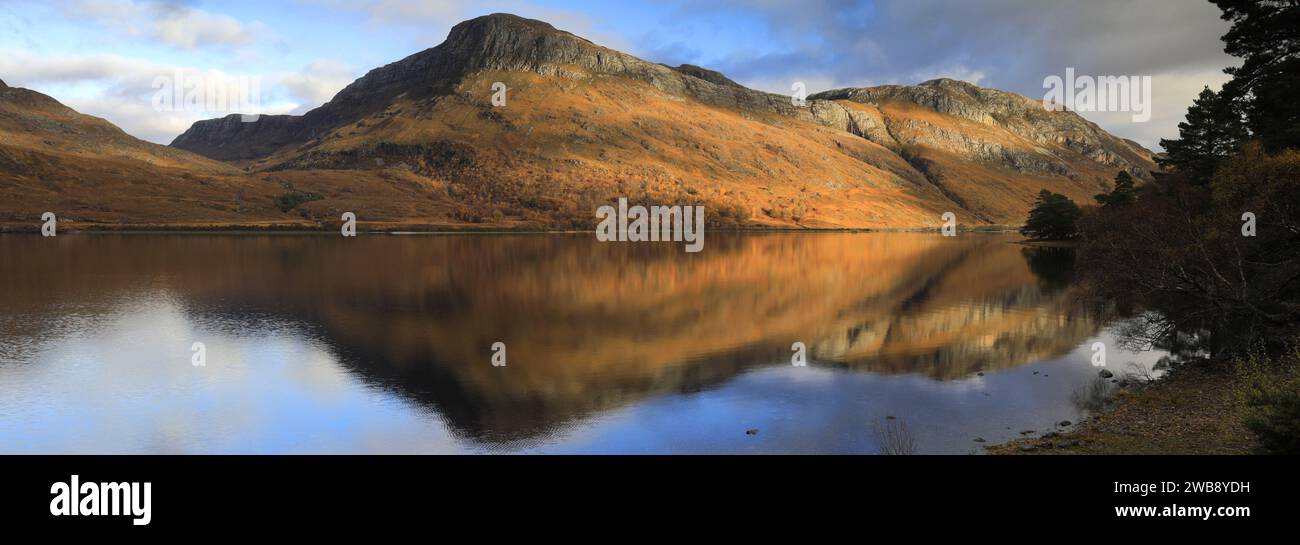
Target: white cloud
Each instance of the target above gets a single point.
(408, 12)
(174, 24)
(123, 90)
(35, 68)
(317, 83)
(1171, 94)
(436, 17)
(1009, 44)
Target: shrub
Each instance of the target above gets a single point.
(1275, 419)
(894, 438)
(1271, 392)
(467, 214)
(291, 200)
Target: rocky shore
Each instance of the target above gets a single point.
(1189, 411)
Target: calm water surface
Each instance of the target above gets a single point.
(382, 343)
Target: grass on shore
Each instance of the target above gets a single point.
(1193, 410)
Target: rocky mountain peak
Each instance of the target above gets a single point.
(950, 83)
(711, 76)
(502, 41)
(2, 84)
(496, 27)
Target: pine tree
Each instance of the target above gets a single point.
(1266, 36)
(1053, 217)
(1213, 131)
(1124, 192)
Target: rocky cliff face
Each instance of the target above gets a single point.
(1010, 112)
(711, 76)
(237, 137)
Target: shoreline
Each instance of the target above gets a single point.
(408, 229)
(1192, 410)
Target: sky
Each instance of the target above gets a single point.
(106, 57)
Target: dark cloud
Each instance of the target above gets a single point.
(1010, 44)
(1014, 43)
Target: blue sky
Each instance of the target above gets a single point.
(102, 56)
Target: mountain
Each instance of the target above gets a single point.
(40, 128)
(418, 143)
(584, 123)
(91, 174)
(85, 169)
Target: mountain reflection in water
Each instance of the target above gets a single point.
(382, 343)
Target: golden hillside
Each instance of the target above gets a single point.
(418, 144)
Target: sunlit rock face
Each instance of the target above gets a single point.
(982, 146)
(587, 325)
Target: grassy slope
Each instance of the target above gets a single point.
(87, 171)
(1001, 195)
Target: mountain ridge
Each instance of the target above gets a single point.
(501, 42)
(418, 142)
(510, 43)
